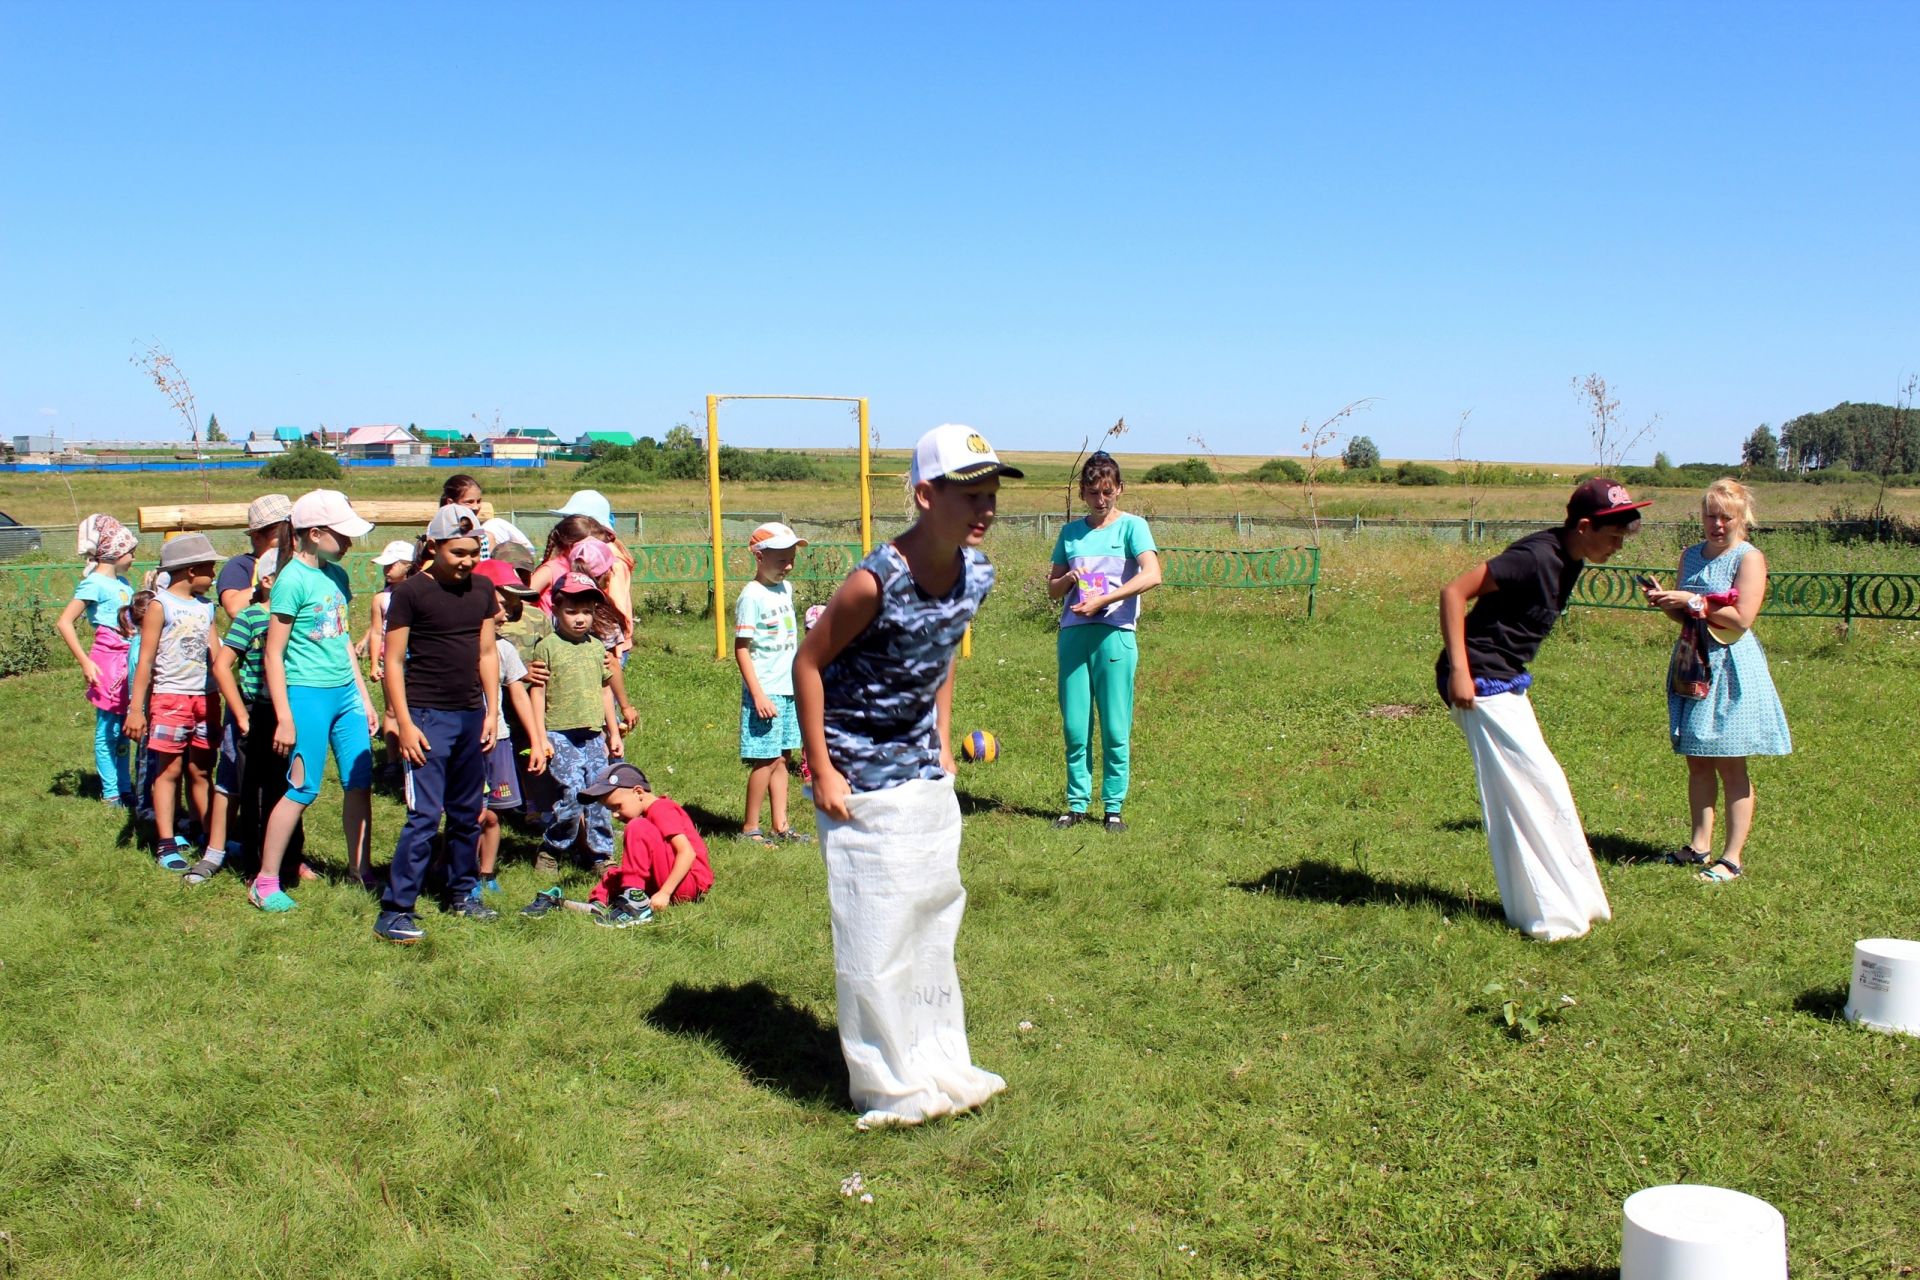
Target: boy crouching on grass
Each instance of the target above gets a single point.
(874, 682)
(663, 860)
(766, 635)
(1548, 885)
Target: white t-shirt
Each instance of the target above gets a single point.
(511, 669)
(765, 617)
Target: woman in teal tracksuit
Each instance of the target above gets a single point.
(1102, 564)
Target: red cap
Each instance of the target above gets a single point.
(499, 574)
(1600, 497)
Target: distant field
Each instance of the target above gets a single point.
(54, 499)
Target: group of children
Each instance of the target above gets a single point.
(230, 735)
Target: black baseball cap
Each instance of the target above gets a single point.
(1603, 501)
(613, 778)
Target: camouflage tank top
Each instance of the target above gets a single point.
(881, 721)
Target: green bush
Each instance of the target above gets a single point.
(615, 472)
(1361, 454)
(1192, 471)
(303, 462)
(1279, 471)
(765, 464)
(26, 641)
(1419, 473)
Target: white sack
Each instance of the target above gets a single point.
(1548, 885)
(893, 883)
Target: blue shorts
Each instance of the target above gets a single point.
(766, 739)
(323, 718)
(503, 776)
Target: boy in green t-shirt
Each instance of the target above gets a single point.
(239, 672)
(574, 710)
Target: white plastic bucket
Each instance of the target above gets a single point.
(1688, 1232)
(1885, 994)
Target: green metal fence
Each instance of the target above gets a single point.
(1275, 568)
(1889, 597)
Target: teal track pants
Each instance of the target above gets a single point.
(1097, 663)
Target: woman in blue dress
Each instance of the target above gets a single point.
(1740, 715)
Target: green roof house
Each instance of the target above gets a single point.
(618, 439)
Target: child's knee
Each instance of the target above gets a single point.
(301, 789)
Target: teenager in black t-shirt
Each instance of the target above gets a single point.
(1548, 885)
(443, 689)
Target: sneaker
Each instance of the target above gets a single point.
(545, 863)
(472, 908)
(398, 926)
(1066, 820)
(1112, 824)
(626, 911)
(544, 901)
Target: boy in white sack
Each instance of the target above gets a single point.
(874, 683)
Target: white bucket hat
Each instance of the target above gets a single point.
(588, 502)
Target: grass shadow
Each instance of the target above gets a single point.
(84, 783)
(1828, 1003)
(776, 1043)
(1462, 824)
(1581, 1273)
(972, 804)
(712, 823)
(1623, 851)
(1315, 881)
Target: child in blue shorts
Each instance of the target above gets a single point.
(766, 635)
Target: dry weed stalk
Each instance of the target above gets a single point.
(1317, 440)
(159, 366)
(1610, 444)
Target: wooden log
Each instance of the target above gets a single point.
(233, 515)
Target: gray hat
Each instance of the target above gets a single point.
(613, 778)
(269, 510)
(188, 548)
(453, 521)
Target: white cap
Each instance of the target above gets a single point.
(773, 536)
(329, 509)
(960, 453)
(267, 564)
(501, 531)
(395, 552)
(588, 502)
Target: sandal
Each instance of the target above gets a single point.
(790, 836)
(172, 861)
(275, 902)
(201, 872)
(1719, 871)
(1687, 856)
(756, 836)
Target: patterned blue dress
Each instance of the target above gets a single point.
(1742, 715)
(882, 723)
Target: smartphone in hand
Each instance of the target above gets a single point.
(1647, 581)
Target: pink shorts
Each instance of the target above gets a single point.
(177, 722)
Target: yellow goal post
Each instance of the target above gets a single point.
(722, 633)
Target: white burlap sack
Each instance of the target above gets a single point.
(893, 882)
(1548, 885)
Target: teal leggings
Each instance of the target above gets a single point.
(1097, 663)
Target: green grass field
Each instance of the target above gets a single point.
(1252, 1037)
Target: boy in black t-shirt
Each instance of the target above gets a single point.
(443, 689)
(1548, 885)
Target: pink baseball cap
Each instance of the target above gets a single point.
(595, 555)
(577, 584)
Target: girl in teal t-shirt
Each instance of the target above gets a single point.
(319, 697)
(103, 591)
(1102, 564)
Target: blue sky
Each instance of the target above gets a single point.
(1216, 220)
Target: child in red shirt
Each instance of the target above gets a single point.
(663, 860)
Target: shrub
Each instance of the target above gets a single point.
(615, 472)
(303, 462)
(1192, 471)
(26, 641)
(1279, 470)
(1419, 473)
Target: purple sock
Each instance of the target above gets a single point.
(266, 886)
